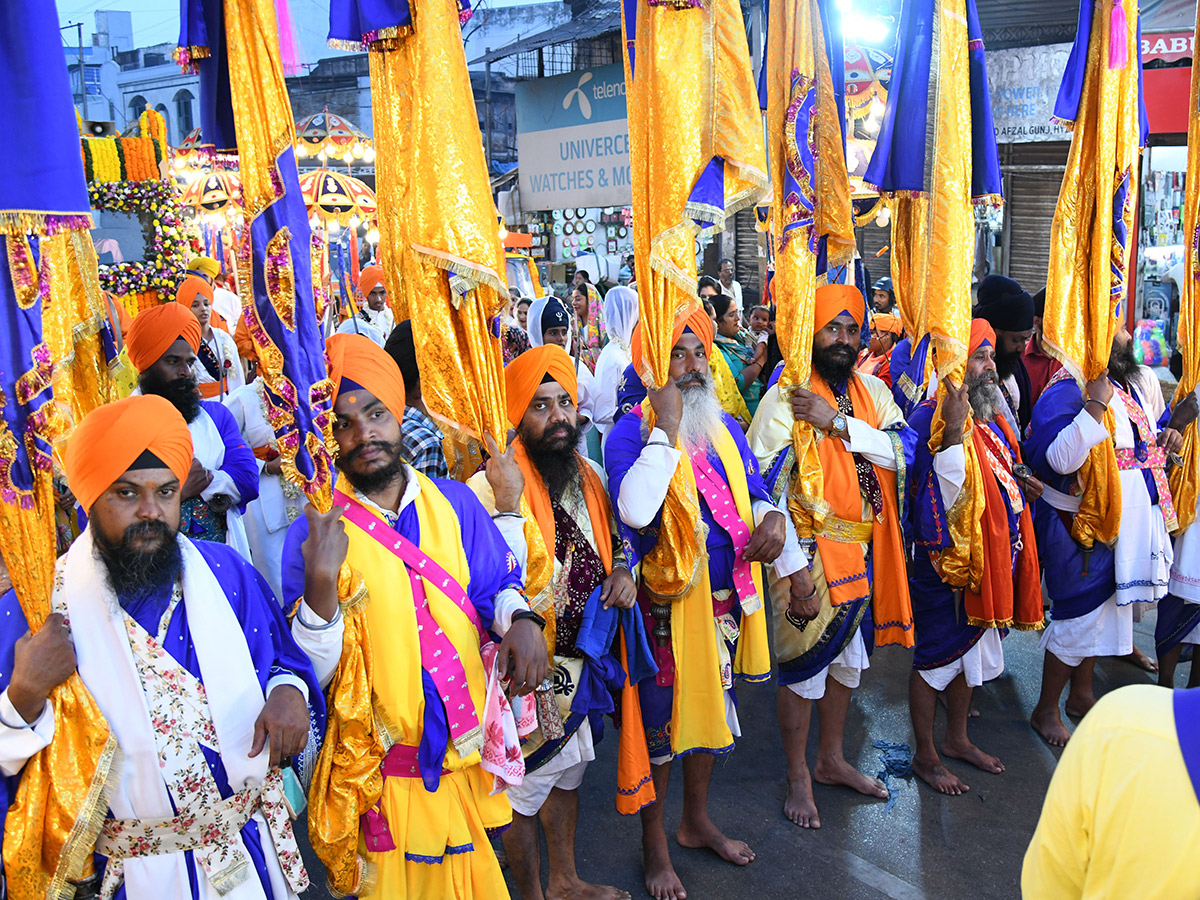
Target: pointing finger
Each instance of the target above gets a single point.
(492, 447)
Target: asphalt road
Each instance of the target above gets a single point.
(926, 847)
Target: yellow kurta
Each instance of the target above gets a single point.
(1121, 818)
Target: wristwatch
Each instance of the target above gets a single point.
(529, 614)
(839, 425)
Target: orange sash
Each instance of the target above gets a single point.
(635, 789)
(845, 568)
(1006, 597)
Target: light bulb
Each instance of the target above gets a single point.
(503, 233)
(301, 151)
(373, 235)
(369, 155)
(357, 151)
(321, 155)
(179, 162)
(885, 216)
(354, 221)
(333, 226)
(314, 221)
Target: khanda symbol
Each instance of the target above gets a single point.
(585, 105)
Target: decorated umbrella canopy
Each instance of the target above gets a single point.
(217, 192)
(336, 137)
(332, 196)
(191, 142)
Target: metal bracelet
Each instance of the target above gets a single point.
(337, 617)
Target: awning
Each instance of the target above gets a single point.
(588, 24)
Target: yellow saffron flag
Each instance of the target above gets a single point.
(810, 202)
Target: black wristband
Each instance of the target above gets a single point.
(529, 614)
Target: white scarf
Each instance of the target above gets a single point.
(106, 665)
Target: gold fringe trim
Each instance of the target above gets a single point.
(368, 877)
(81, 842)
(351, 46)
(39, 221)
(1005, 623)
(1029, 626)
(474, 272)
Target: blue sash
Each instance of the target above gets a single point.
(1187, 726)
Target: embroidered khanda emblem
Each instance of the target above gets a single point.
(563, 683)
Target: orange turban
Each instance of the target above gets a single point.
(889, 323)
(981, 332)
(154, 330)
(191, 286)
(358, 362)
(111, 438)
(834, 299)
(371, 277)
(524, 374)
(692, 318)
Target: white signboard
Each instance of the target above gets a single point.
(573, 140)
(1024, 83)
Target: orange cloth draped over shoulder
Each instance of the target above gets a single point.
(524, 375)
(366, 365)
(244, 343)
(154, 330)
(111, 438)
(693, 318)
(891, 605)
(1007, 596)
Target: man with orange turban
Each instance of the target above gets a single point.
(875, 358)
(853, 593)
(218, 367)
(166, 629)
(436, 580)
(691, 473)
(374, 318)
(224, 475)
(575, 571)
(958, 627)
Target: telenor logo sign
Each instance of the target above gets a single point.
(585, 105)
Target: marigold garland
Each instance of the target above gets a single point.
(151, 124)
(112, 159)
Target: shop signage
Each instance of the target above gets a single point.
(1024, 84)
(573, 140)
(1168, 46)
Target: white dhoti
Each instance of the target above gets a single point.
(1105, 631)
(983, 662)
(846, 669)
(564, 771)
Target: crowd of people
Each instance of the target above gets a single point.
(620, 556)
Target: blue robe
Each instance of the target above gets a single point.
(624, 446)
(240, 463)
(1072, 594)
(272, 651)
(942, 632)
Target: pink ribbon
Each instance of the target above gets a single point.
(717, 494)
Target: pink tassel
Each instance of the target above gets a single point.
(1118, 37)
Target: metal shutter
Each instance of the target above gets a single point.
(1032, 175)
(747, 264)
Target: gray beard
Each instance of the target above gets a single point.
(702, 415)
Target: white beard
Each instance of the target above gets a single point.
(702, 415)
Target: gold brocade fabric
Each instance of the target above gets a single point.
(1087, 279)
(961, 564)
(61, 801)
(1184, 477)
(439, 242)
(797, 68)
(691, 99)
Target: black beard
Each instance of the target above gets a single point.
(554, 457)
(834, 363)
(1122, 364)
(1007, 364)
(139, 576)
(181, 392)
(377, 480)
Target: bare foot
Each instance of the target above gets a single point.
(1050, 727)
(838, 771)
(704, 833)
(581, 890)
(799, 805)
(661, 881)
(1141, 660)
(1078, 707)
(968, 752)
(938, 777)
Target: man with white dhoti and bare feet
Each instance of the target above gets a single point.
(853, 595)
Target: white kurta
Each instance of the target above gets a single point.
(278, 505)
(222, 345)
(208, 447)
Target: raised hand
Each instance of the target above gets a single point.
(504, 476)
(667, 404)
(41, 662)
(956, 404)
(324, 552)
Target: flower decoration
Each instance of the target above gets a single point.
(156, 203)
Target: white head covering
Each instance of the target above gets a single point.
(621, 314)
(534, 320)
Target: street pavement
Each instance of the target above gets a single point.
(926, 847)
